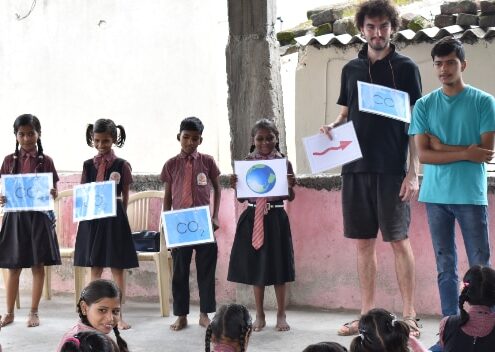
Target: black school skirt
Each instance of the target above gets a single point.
(106, 242)
(273, 263)
(28, 238)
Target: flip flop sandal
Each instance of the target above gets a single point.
(8, 318)
(414, 326)
(349, 329)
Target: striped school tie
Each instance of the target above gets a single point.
(102, 167)
(186, 194)
(258, 227)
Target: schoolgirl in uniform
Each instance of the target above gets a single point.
(262, 253)
(107, 242)
(27, 238)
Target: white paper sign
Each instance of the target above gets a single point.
(261, 178)
(384, 101)
(28, 192)
(94, 200)
(324, 153)
(187, 227)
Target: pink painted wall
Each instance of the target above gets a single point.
(325, 261)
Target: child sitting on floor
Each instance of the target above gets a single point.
(325, 347)
(229, 330)
(473, 329)
(379, 330)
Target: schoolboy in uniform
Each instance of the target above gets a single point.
(188, 179)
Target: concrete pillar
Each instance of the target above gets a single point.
(253, 72)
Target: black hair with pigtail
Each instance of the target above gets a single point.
(94, 292)
(479, 289)
(325, 347)
(231, 323)
(27, 120)
(380, 331)
(87, 341)
(266, 124)
(117, 132)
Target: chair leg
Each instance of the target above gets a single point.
(163, 283)
(47, 285)
(79, 281)
(5, 274)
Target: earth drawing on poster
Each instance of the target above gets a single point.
(260, 178)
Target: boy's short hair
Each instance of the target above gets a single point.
(191, 123)
(377, 8)
(446, 46)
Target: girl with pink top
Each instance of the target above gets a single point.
(99, 309)
(474, 328)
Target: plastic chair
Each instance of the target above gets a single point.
(65, 229)
(139, 213)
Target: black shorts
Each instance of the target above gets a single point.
(371, 202)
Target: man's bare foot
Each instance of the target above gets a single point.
(180, 323)
(282, 323)
(7, 319)
(204, 320)
(259, 323)
(33, 319)
(123, 325)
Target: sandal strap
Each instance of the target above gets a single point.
(414, 323)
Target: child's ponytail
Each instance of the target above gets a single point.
(120, 341)
(462, 299)
(89, 134)
(242, 338)
(15, 164)
(208, 334)
(121, 138)
(41, 156)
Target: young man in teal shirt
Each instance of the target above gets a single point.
(454, 129)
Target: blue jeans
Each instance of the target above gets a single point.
(473, 221)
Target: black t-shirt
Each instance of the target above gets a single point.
(383, 141)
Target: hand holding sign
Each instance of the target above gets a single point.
(324, 153)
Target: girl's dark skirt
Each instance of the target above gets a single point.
(27, 239)
(273, 263)
(106, 242)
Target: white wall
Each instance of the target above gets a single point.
(153, 63)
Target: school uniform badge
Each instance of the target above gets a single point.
(201, 179)
(115, 176)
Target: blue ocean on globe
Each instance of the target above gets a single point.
(260, 178)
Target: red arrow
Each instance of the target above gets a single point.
(342, 146)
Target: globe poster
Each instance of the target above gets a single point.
(261, 178)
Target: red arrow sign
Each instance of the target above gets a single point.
(342, 146)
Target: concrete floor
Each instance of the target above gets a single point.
(151, 333)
